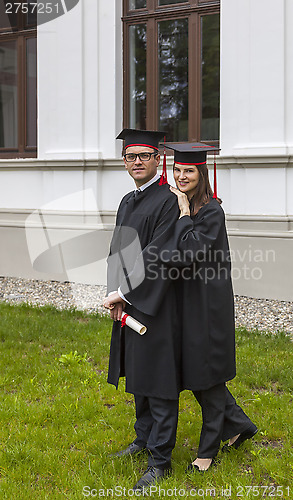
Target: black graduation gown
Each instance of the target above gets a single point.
(151, 362)
(206, 297)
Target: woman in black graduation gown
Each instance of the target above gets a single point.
(200, 247)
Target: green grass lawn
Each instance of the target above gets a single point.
(60, 419)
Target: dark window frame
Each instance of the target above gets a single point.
(20, 35)
(154, 13)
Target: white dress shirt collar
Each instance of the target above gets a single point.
(149, 183)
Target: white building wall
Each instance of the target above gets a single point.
(255, 87)
(257, 143)
(79, 116)
(80, 82)
(78, 178)
(288, 56)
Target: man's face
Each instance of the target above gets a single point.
(142, 171)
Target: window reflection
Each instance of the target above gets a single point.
(210, 77)
(173, 79)
(31, 92)
(137, 76)
(8, 95)
(137, 4)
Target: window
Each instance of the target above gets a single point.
(18, 84)
(172, 67)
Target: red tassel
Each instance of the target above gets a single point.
(123, 321)
(215, 195)
(163, 178)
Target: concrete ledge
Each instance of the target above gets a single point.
(58, 219)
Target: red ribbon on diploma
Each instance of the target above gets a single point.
(123, 321)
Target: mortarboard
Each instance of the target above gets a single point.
(148, 138)
(193, 153)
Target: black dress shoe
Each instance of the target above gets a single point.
(248, 434)
(195, 468)
(151, 476)
(130, 450)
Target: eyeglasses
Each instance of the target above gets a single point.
(131, 157)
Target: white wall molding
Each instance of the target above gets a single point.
(259, 161)
(58, 219)
(36, 164)
(223, 162)
(238, 225)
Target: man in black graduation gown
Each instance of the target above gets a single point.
(151, 362)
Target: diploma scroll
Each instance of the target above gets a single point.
(133, 324)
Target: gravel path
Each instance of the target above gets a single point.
(263, 314)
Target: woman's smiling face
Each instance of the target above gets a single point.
(186, 178)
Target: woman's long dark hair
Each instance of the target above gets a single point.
(203, 191)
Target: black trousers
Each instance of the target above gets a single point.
(222, 419)
(155, 427)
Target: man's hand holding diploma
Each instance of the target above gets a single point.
(115, 304)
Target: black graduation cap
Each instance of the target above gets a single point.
(190, 153)
(193, 153)
(149, 138)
